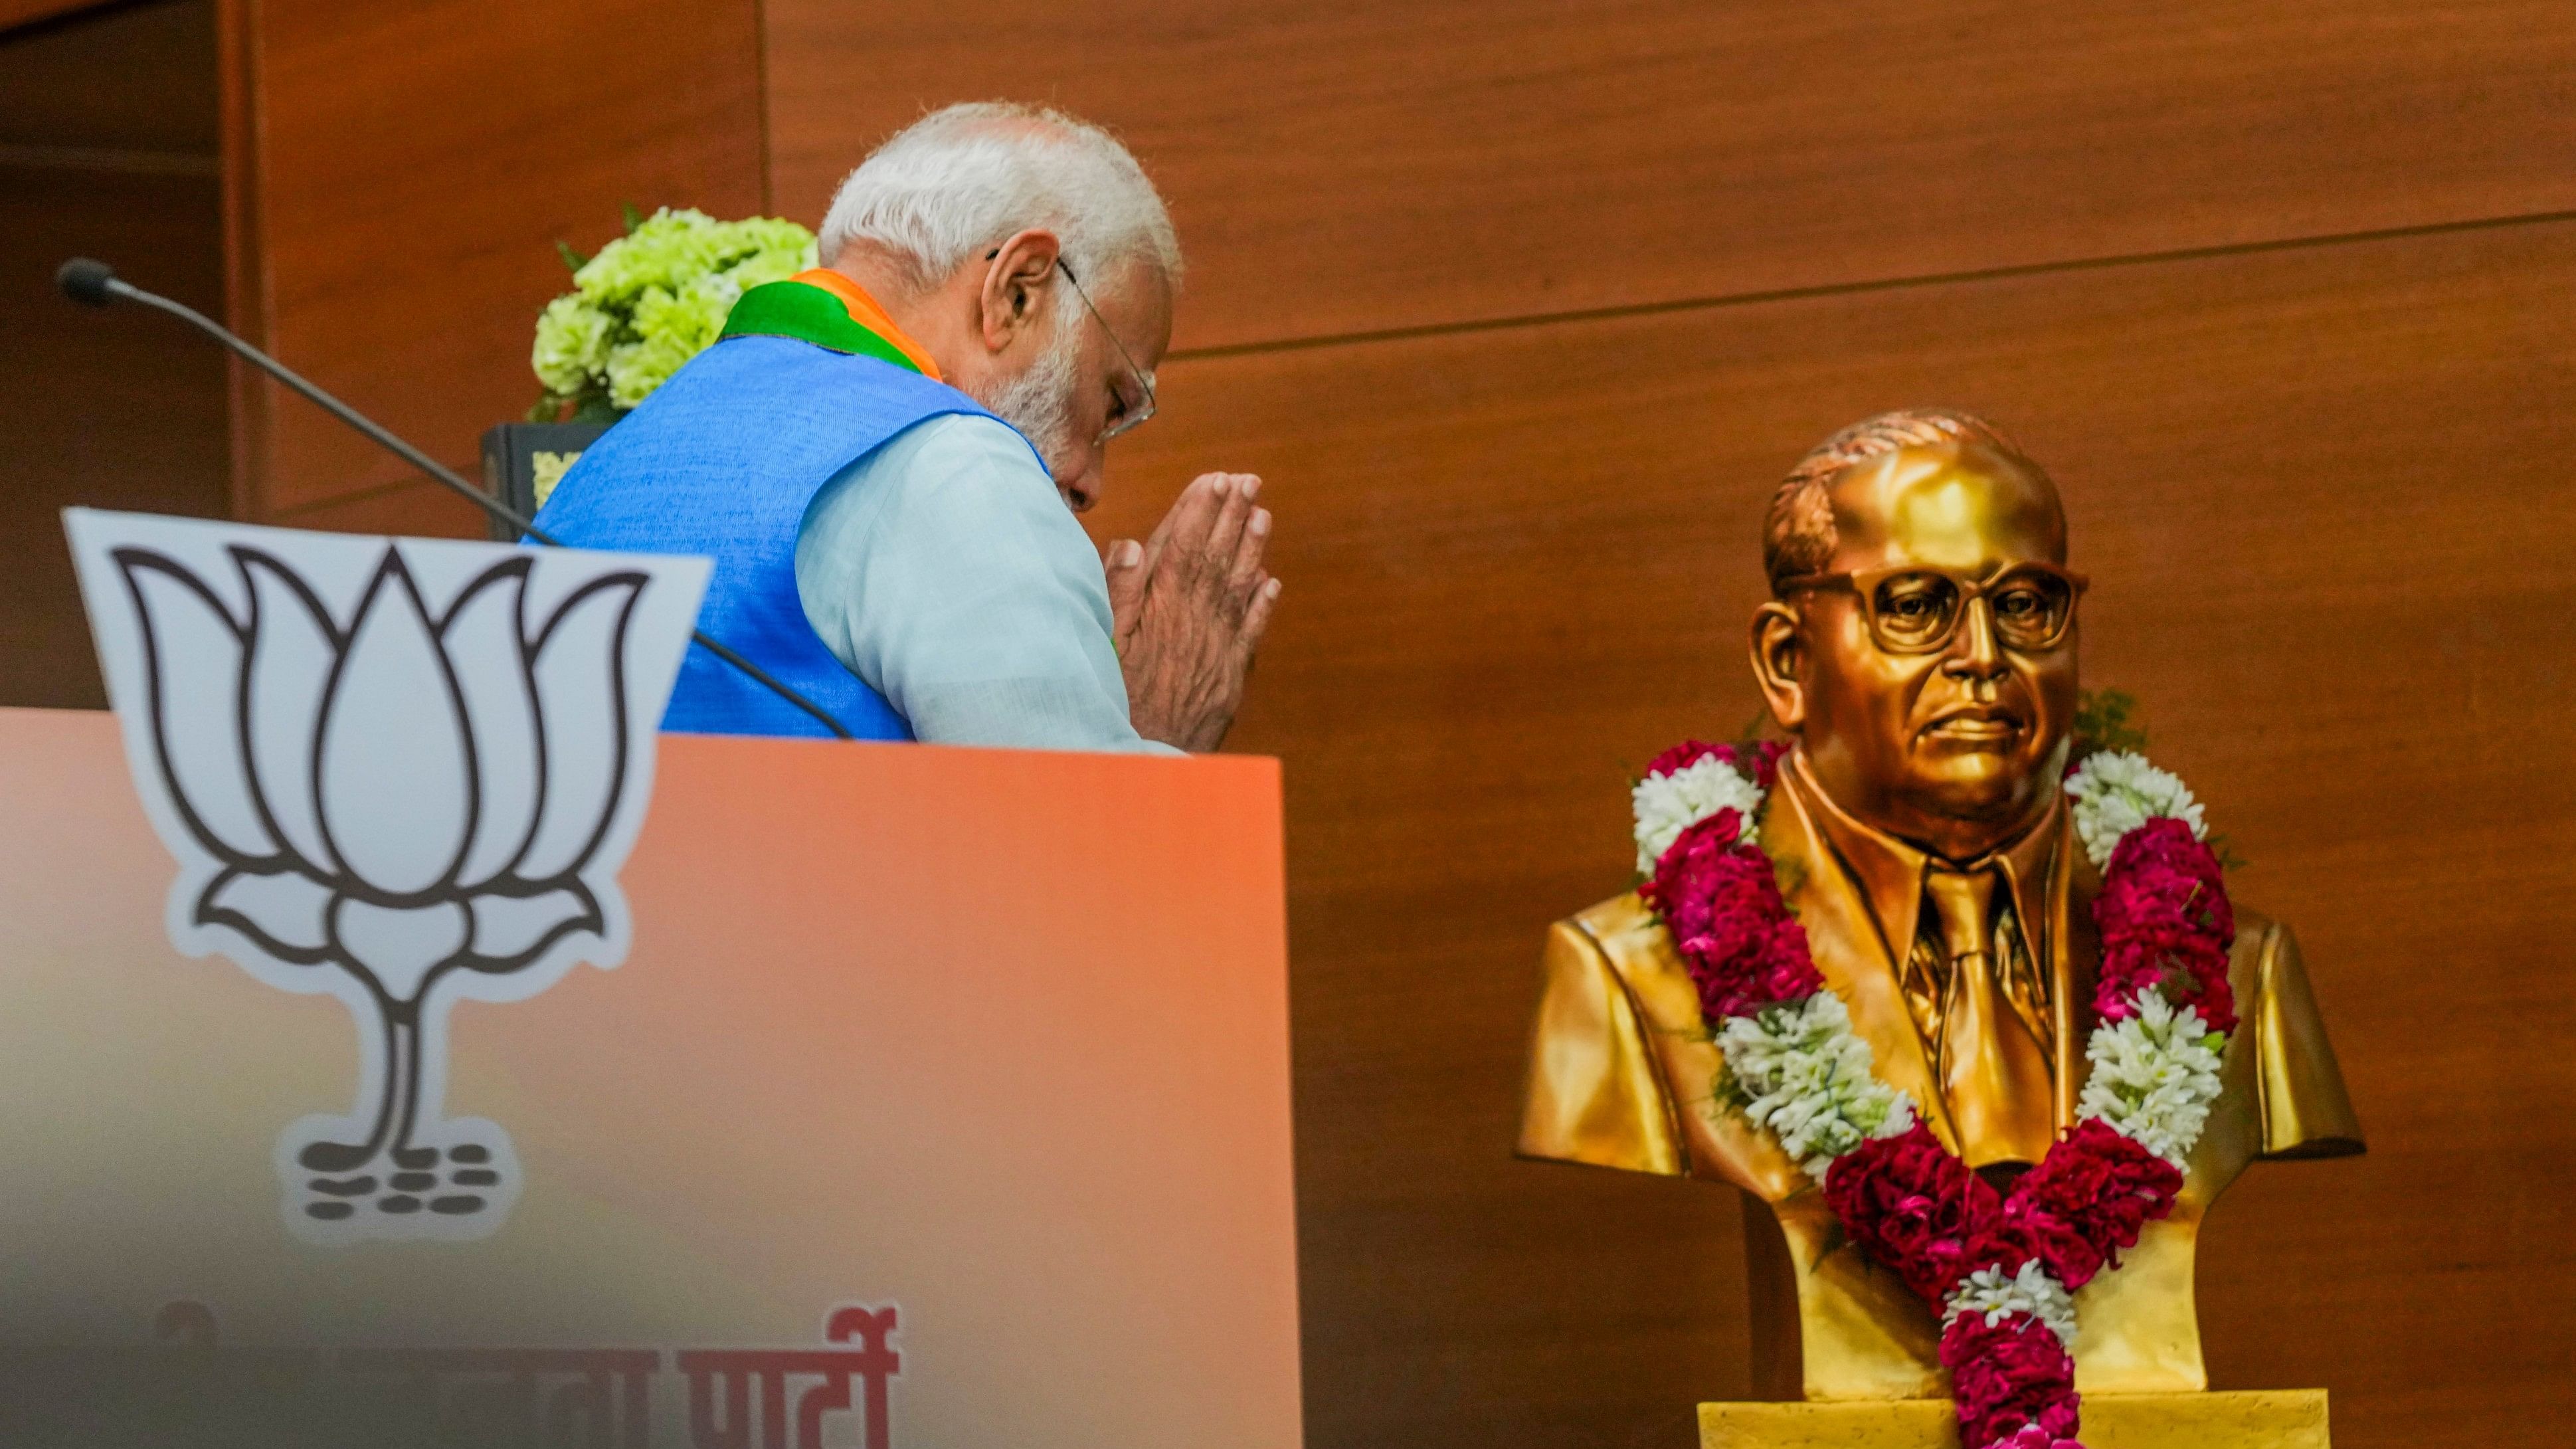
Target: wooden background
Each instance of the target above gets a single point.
(1521, 308)
(107, 148)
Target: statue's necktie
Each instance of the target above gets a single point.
(1992, 1070)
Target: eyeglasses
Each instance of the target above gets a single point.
(1916, 609)
(1135, 415)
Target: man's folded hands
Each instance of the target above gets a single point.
(1188, 608)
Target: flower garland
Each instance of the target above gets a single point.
(2000, 1268)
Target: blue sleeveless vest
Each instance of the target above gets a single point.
(722, 461)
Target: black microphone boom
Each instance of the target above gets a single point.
(95, 284)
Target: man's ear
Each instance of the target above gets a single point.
(1780, 664)
(1019, 285)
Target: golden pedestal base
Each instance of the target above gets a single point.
(2271, 1419)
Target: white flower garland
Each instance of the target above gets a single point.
(1802, 1072)
(1799, 1071)
(2155, 1076)
(2028, 1289)
(2116, 791)
(1668, 804)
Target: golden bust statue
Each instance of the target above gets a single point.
(1920, 835)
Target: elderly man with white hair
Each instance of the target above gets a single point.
(884, 456)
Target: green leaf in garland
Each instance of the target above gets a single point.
(634, 218)
(2102, 722)
(1749, 737)
(1835, 1238)
(572, 260)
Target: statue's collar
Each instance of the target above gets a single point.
(1890, 872)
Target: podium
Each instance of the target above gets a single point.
(899, 1095)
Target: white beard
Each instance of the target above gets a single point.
(1039, 402)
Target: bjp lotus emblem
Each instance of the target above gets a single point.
(403, 773)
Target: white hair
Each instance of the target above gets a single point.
(961, 180)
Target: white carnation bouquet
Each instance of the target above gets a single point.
(648, 302)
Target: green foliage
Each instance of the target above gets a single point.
(2102, 722)
(2105, 719)
(1789, 875)
(1725, 1089)
(648, 302)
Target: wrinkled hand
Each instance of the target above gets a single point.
(1188, 607)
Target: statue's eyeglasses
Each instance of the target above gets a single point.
(1916, 609)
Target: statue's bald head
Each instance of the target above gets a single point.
(1799, 535)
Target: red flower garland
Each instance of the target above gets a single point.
(1917, 1211)
(2165, 922)
(1722, 904)
(1758, 762)
(1720, 900)
(1909, 1203)
(2008, 1377)
(2088, 1199)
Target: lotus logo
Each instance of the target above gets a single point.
(404, 774)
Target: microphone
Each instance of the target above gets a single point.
(95, 284)
(92, 284)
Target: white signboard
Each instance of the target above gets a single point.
(403, 772)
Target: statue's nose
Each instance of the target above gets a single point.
(1973, 652)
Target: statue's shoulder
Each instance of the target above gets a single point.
(2255, 963)
(1620, 915)
(1626, 937)
(2305, 1109)
(2257, 928)
(1625, 931)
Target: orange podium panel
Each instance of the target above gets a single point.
(941, 1098)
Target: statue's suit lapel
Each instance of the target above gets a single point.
(2074, 951)
(1857, 965)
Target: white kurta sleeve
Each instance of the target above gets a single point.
(945, 570)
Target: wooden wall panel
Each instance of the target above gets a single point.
(106, 149)
(18, 13)
(2320, 492)
(1350, 166)
(418, 507)
(107, 409)
(125, 80)
(401, 175)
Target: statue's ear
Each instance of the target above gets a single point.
(1780, 664)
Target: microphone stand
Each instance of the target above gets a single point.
(95, 284)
